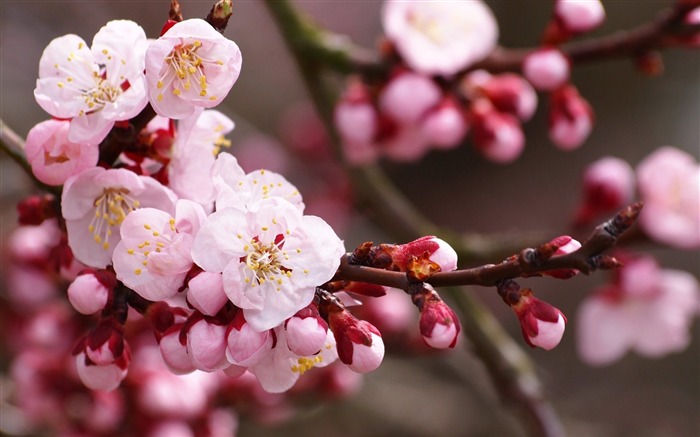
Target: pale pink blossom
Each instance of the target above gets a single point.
(497, 136)
(579, 16)
(669, 184)
(94, 87)
(105, 377)
(570, 118)
(356, 122)
(440, 37)
(546, 69)
(96, 202)
(153, 256)
(190, 66)
(246, 346)
(236, 189)
(648, 310)
(89, 292)
(206, 345)
(280, 368)
(444, 127)
(406, 144)
(198, 140)
(510, 93)
(53, 157)
(205, 292)
(272, 258)
(608, 184)
(174, 353)
(306, 331)
(408, 96)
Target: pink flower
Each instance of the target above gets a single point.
(408, 96)
(272, 258)
(102, 377)
(648, 310)
(53, 157)
(444, 126)
(94, 87)
(546, 69)
(511, 93)
(608, 184)
(205, 292)
(355, 116)
(174, 352)
(245, 345)
(306, 331)
(280, 368)
(198, 140)
(191, 65)
(579, 16)
(440, 37)
(153, 256)
(206, 344)
(89, 292)
(96, 202)
(669, 184)
(570, 118)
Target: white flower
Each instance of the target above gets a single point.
(191, 65)
(94, 87)
(272, 258)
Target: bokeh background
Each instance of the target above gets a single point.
(450, 394)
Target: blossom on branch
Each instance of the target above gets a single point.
(94, 87)
(440, 37)
(190, 66)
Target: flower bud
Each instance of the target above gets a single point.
(90, 290)
(306, 331)
(355, 116)
(206, 293)
(512, 94)
(564, 244)
(103, 377)
(408, 96)
(245, 346)
(439, 325)
(546, 69)
(104, 344)
(570, 118)
(206, 344)
(358, 342)
(497, 135)
(439, 251)
(608, 184)
(577, 16)
(445, 126)
(175, 353)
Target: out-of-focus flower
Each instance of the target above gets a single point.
(90, 290)
(646, 309)
(445, 125)
(608, 184)
(408, 96)
(94, 87)
(498, 136)
(546, 69)
(570, 118)
(53, 157)
(669, 185)
(190, 66)
(440, 37)
(579, 16)
(96, 202)
(512, 94)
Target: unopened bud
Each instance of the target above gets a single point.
(578, 16)
(306, 331)
(90, 290)
(358, 342)
(245, 346)
(570, 118)
(439, 325)
(546, 69)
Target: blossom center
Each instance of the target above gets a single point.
(263, 263)
(111, 208)
(160, 241)
(304, 364)
(428, 26)
(186, 71)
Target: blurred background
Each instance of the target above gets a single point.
(446, 394)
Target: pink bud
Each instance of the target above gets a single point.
(439, 325)
(542, 324)
(102, 377)
(497, 135)
(206, 345)
(306, 332)
(570, 118)
(546, 69)
(246, 346)
(105, 344)
(90, 290)
(577, 16)
(175, 353)
(206, 293)
(565, 244)
(608, 184)
(445, 126)
(512, 94)
(358, 342)
(356, 122)
(440, 252)
(408, 97)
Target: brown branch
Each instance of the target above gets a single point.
(528, 262)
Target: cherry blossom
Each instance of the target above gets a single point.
(190, 66)
(94, 87)
(497, 135)
(439, 325)
(608, 184)
(444, 126)
(570, 118)
(153, 256)
(408, 96)
(577, 16)
(96, 202)
(53, 157)
(440, 37)
(90, 290)
(272, 258)
(246, 346)
(546, 69)
(646, 309)
(669, 184)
